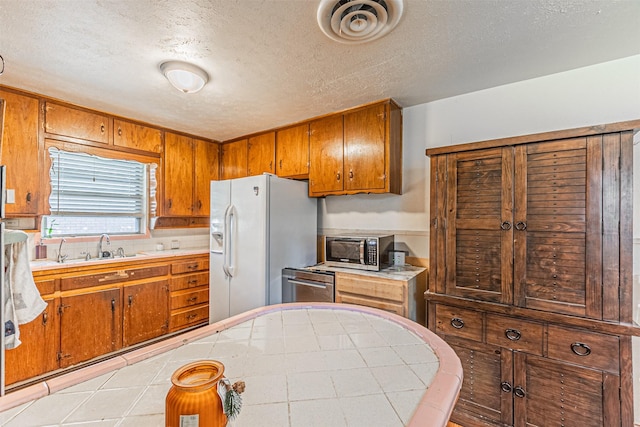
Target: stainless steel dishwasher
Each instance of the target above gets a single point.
(301, 285)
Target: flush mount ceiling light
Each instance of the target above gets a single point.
(185, 77)
(358, 21)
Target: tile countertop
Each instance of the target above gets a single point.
(405, 272)
(47, 264)
(304, 364)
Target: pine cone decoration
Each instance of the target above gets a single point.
(238, 387)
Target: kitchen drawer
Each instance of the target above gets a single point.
(189, 297)
(46, 287)
(370, 302)
(188, 316)
(515, 334)
(191, 266)
(189, 281)
(114, 276)
(393, 290)
(584, 348)
(459, 322)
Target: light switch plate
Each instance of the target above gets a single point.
(398, 258)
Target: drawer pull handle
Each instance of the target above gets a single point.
(191, 316)
(519, 392)
(457, 323)
(513, 334)
(580, 349)
(192, 299)
(506, 387)
(506, 225)
(521, 226)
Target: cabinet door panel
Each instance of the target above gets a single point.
(38, 352)
(178, 175)
(326, 155)
(364, 147)
(292, 151)
(552, 213)
(261, 154)
(139, 137)
(206, 170)
(479, 249)
(20, 148)
(75, 123)
(90, 326)
(146, 312)
(557, 393)
(485, 367)
(234, 160)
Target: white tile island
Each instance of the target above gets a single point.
(303, 364)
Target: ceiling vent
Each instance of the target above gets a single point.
(358, 21)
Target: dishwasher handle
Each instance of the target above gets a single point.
(305, 283)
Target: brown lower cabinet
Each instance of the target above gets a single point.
(523, 373)
(95, 310)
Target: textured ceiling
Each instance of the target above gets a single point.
(271, 65)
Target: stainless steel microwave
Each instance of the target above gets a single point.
(361, 252)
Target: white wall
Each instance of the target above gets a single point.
(603, 93)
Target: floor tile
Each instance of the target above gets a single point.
(7, 415)
(343, 359)
(317, 413)
(139, 374)
(300, 344)
(100, 423)
(305, 362)
(399, 337)
(298, 330)
(267, 332)
(266, 346)
(322, 316)
(236, 333)
(89, 385)
(49, 410)
(265, 364)
(372, 339)
(106, 404)
(290, 317)
(328, 328)
(310, 385)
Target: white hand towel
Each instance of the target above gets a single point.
(22, 299)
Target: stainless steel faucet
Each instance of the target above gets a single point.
(61, 257)
(100, 251)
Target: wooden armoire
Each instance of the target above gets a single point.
(531, 275)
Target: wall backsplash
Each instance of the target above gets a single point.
(191, 238)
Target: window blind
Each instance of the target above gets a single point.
(87, 185)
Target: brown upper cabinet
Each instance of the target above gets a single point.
(261, 151)
(138, 137)
(233, 162)
(292, 152)
(76, 123)
(206, 169)
(358, 151)
(190, 164)
(20, 149)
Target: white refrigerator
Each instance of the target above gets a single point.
(259, 225)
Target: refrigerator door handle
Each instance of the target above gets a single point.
(225, 242)
(231, 231)
(229, 225)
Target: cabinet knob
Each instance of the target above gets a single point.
(45, 318)
(338, 176)
(457, 323)
(519, 392)
(506, 387)
(119, 131)
(580, 349)
(102, 128)
(506, 225)
(513, 334)
(28, 196)
(130, 300)
(350, 174)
